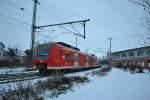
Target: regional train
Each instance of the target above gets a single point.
(59, 55)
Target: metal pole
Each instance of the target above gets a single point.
(110, 50)
(59, 24)
(81, 21)
(84, 29)
(33, 30)
(76, 41)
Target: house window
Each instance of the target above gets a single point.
(124, 54)
(140, 53)
(142, 63)
(147, 52)
(149, 64)
(131, 53)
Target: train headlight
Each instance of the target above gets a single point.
(51, 60)
(41, 61)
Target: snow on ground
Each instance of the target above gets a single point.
(104, 84)
(8, 70)
(116, 85)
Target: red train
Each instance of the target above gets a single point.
(59, 55)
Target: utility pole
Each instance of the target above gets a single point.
(110, 49)
(33, 28)
(76, 41)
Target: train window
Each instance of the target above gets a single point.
(87, 59)
(91, 60)
(84, 59)
(43, 52)
(67, 57)
(76, 59)
(95, 59)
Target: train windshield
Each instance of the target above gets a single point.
(43, 51)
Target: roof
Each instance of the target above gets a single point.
(132, 49)
(2, 44)
(68, 45)
(63, 44)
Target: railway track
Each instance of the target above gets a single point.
(31, 75)
(19, 77)
(8, 78)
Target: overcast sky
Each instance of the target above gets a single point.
(118, 19)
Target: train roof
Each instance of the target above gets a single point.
(63, 44)
(67, 45)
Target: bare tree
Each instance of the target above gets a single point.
(145, 20)
(28, 59)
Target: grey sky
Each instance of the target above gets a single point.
(109, 18)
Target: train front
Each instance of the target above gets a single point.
(42, 56)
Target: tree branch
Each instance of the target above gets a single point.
(138, 3)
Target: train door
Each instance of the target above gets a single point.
(76, 59)
(87, 61)
(60, 59)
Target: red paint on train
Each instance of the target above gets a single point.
(59, 55)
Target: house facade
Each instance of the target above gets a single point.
(133, 57)
(2, 47)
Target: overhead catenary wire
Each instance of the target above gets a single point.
(11, 20)
(43, 37)
(67, 30)
(129, 37)
(144, 42)
(75, 33)
(78, 33)
(48, 10)
(11, 4)
(64, 10)
(45, 30)
(5, 21)
(15, 20)
(16, 7)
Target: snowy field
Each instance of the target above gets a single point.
(114, 85)
(97, 84)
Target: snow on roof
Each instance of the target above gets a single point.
(2, 44)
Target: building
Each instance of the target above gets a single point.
(2, 47)
(6, 55)
(11, 56)
(133, 57)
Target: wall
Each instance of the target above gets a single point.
(1, 51)
(133, 57)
